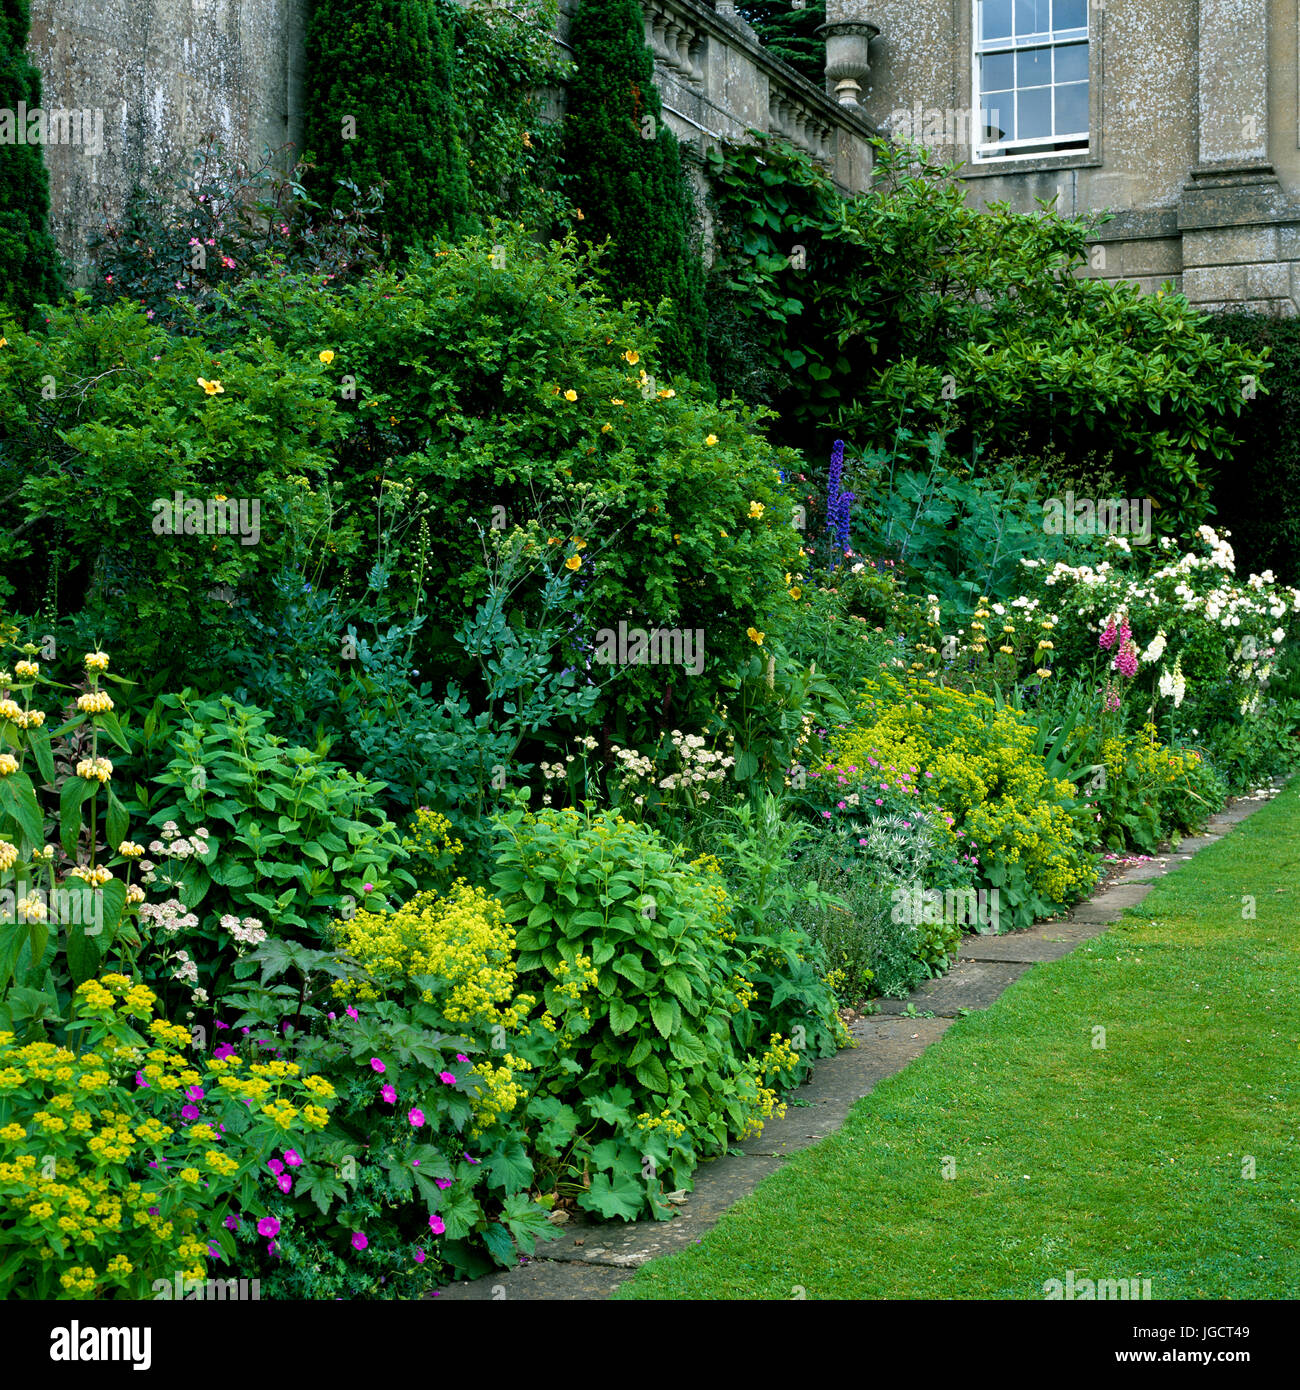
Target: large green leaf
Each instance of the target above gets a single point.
(18, 799)
(75, 791)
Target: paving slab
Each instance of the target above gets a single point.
(591, 1258)
(1028, 946)
(970, 984)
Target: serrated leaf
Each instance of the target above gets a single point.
(622, 1016)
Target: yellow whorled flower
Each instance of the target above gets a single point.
(27, 669)
(95, 770)
(95, 661)
(95, 702)
(8, 764)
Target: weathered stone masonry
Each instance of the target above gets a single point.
(166, 74)
(1194, 135)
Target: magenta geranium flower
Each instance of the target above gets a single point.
(436, 1224)
(222, 1051)
(351, 1012)
(377, 1065)
(388, 1093)
(359, 1241)
(460, 1057)
(285, 1184)
(292, 1158)
(419, 1257)
(268, 1226)
(443, 1183)
(194, 1093)
(275, 1166)
(447, 1077)
(189, 1112)
(416, 1116)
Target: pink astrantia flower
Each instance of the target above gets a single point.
(268, 1226)
(436, 1224)
(447, 1078)
(377, 1065)
(359, 1241)
(416, 1117)
(388, 1094)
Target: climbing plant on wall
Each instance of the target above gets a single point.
(380, 107)
(29, 267)
(624, 173)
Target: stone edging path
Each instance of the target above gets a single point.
(592, 1258)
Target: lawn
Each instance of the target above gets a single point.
(1127, 1160)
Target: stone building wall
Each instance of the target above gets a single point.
(1195, 135)
(158, 77)
(163, 75)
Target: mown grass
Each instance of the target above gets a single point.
(1119, 1162)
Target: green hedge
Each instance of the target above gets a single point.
(1257, 496)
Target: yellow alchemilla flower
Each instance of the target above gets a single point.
(327, 356)
(213, 388)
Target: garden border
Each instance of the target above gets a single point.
(591, 1259)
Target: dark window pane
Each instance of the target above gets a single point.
(1033, 16)
(1034, 68)
(1072, 108)
(997, 19)
(995, 116)
(1034, 116)
(997, 72)
(1070, 14)
(1072, 63)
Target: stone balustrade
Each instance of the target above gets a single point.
(717, 82)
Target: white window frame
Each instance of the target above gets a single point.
(1039, 147)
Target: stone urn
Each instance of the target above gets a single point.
(848, 59)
